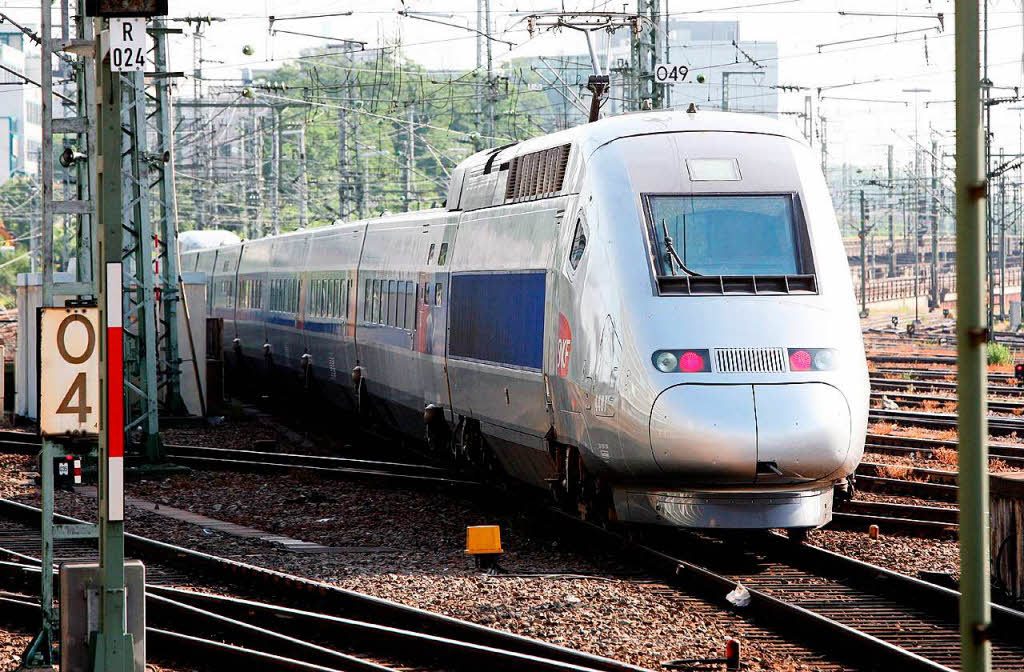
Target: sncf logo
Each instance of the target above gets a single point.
(564, 345)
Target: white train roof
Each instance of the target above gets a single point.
(537, 168)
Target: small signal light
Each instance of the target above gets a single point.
(691, 362)
(1018, 372)
(799, 360)
(732, 653)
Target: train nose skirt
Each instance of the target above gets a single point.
(751, 433)
(726, 510)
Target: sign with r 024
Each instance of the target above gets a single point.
(127, 45)
(666, 73)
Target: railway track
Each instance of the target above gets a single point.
(867, 614)
(908, 385)
(16, 442)
(919, 374)
(929, 484)
(229, 458)
(997, 425)
(996, 405)
(910, 519)
(909, 446)
(301, 630)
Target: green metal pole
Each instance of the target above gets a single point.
(863, 234)
(972, 334)
(47, 637)
(112, 646)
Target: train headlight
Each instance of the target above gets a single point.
(666, 362)
(812, 359)
(825, 359)
(682, 361)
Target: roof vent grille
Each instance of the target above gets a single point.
(750, 360)
(537, 174)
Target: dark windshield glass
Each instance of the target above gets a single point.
(725, 235)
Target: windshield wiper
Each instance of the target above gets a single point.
(670, 251)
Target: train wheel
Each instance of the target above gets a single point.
(439, 439)
(571, 475)
(797, 535)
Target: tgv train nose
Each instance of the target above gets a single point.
(751, 433)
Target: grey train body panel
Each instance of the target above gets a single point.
(535, 301)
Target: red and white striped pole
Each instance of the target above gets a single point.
(115, 395)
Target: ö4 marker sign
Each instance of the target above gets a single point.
(127, 45)
(69, 381)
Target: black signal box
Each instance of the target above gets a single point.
(123, 8)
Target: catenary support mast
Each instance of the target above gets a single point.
(972, 334)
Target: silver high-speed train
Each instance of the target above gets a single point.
(651, 315)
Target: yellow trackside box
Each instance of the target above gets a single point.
(483, 540)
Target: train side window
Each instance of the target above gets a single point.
(335, 299)
(437, 294)
(399, 304)
(430, 254)
(579, 244)
(348, 297)
(410, 304)
(367, 297)
(391, 303)
(375, 307)
(426, 293)
(442, 255)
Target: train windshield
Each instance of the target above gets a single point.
(725, 235)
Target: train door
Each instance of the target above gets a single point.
(432, 310)
(568, 372)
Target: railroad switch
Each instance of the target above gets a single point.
(483, 542)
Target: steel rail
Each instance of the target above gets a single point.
(175, 450)
(909, 518)
(335, 599)
(881, 443)
(905, 384)
(819, 621)
(340, 472)
(170, 645)
(238, 615)
(993, 404)
(997, 425)
(287, 632)
(938, 373)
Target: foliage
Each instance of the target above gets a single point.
(373, 95)
(999, 354)
(19, 213)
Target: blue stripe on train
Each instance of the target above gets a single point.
(322, 327)
(498, 317)
(283, 321)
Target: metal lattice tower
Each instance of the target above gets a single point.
(165, 219)
(645, 56)
(140, 347)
